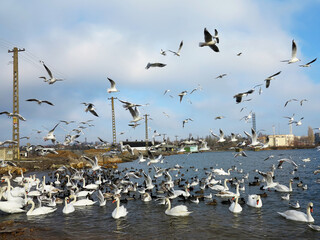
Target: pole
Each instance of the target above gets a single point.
(15, 120)
(146, 126)
(114, 136)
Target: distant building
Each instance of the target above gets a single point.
(281, 140)
(6, 153)
(317, 138)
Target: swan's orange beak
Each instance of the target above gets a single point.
(232, 198)
(114, 201)
(311, 209)
(257, 202)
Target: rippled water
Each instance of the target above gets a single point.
(148, 220)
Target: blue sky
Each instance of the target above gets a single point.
(84, 42)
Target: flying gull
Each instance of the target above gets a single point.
(183, 93)
(155, 65)
(293, 54)
(268, 79)
(221, 135)
(210, 41)
(178, 52)
(222, 75)
(13, 115)
(52, 79)
(8, 142)
(39, 101)
(113, 86)
(50, 135)
(293, 99)
(135, 114)
(309, 63)
(90, 108)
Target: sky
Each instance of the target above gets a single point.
(86, 42)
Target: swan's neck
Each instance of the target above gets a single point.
(225, 185)
(32, 207)
(309, 216)
(169, 204)
(84, 183)
(290, 186)
(57, 177)
(237, 190)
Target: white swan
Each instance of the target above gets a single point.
(229, 194)
(81, 202)
(10, 207)
(91, 186)
(119, 211)
(283, 188)
(220, 187)
(40, 210)
(221, 171)
(235, 206)
(68, 207)
(295, 215)
(180, 210)
(254, 201)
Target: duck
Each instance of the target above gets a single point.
(254, 200)
(180, 210)
(235, 206)
(295, 215)
(119, 211)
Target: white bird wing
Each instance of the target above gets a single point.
(113, 84)
(48, 70)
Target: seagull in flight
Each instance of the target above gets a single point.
(39, 101)
(221, 76)
(253, 137)
(210, 40)
(168, 90)
(155, 65)
(178, 52)
(90, 108)
(135, 114)
(293, 54)
(221, 135)
(183, 93)
(303, 100)
(52, 79)
(308, 64)
(293, 99)
(219, 117)
(239, 96)
(113, 86)
(298, 123)
(185, 121)
(8, 142)
(50, 135)
(268, 79)
(162, 52)
(13, 115)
